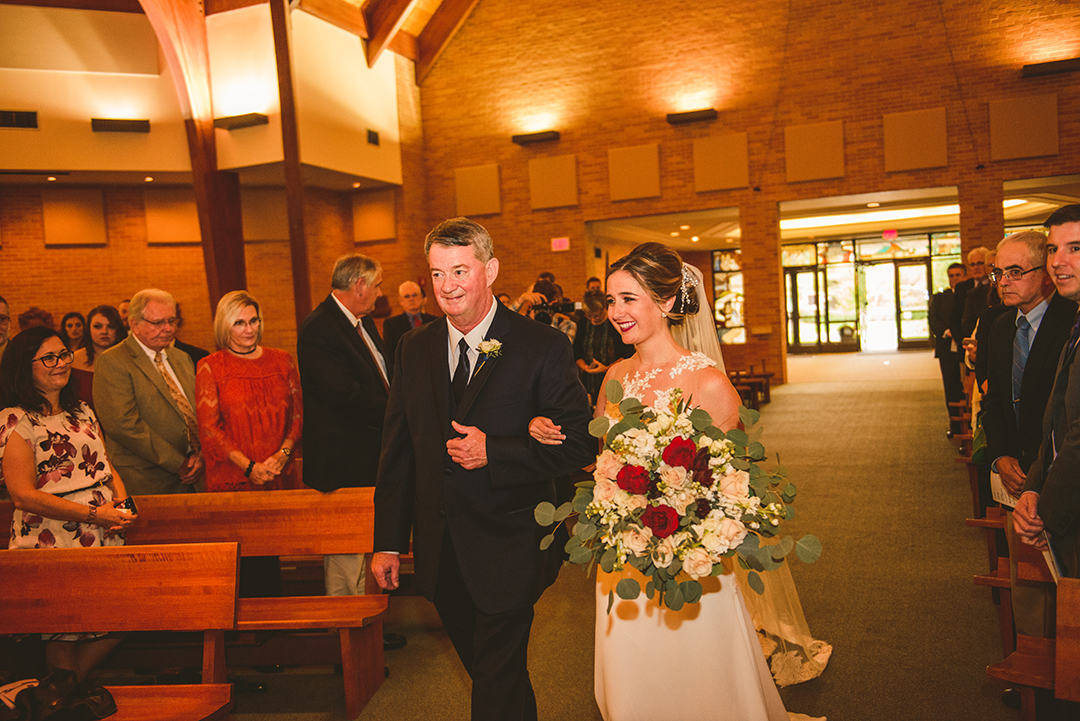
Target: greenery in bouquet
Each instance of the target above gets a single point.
(676, 498)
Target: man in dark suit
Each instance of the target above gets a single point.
(459, 468)
(945, 348)
(411, 296)
(977, 270)
(345, 380)
(1023, 349)
(1051, 497)
(979, 298)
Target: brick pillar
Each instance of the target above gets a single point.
(982, 219)
(763, 279)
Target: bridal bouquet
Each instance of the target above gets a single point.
(673, 493)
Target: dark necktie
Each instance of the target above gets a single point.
(461, 373)
(1021, 348)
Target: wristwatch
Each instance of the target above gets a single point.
(287, 451)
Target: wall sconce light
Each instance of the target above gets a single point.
(528, 138)
(694, 116)
(109, 125)
(1037, 70)
(235, 122)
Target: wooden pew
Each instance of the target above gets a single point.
(288, 523)
(187, 587)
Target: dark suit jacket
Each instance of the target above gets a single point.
(975, 302)
(344, 400)
(488, 511)
(1003, 436)
(145, 432)
(982, 339)
(939, 315)
(957, 316)
(394, 328)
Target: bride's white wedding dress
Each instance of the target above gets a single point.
(701, 662)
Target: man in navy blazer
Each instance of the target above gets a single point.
(345, 379)
(460, 470)
(411, 297)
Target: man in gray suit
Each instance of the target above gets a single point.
(144, 395)
(1051, 498)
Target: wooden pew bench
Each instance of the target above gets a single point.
(187, 587)
(288, 523)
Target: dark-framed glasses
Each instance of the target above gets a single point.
(49, 360)
(1013, 274)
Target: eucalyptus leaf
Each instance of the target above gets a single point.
(585, 530)
(789, 513)
(755, 583)
(628, 589)
(790, 490)
(748, 416)
(756, 451)
(742, 564)
(701, 419)
(571, 544)
(545, 513)
(581, 555)
(691, 591)
(740, 464)
(718, 569)
(610, 601)
(748, 546)
(738, 437)
(754, 562)
(631, 407)
(675, 599)
(765, 558)
(754, 434)
(780, 471)
(673, 570)
(808, 549)
(563, 511)
(582, 500)
(598, 426)
(760, 486)
(546, 541)
(650, 590)
(714, 433)
(607, 561)
(614, 391)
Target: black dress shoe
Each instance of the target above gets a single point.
(393, 641)
(1011, 698)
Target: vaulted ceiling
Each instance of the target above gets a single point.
(416, 29)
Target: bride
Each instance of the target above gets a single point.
(703, 661)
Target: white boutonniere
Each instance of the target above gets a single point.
(490, 348)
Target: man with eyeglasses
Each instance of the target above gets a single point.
(144, 395)
(1023, 348)
(411, 297)
(1050, 504)
(5, 325)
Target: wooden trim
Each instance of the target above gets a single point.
(338, 13)
(290, 143)
(384, 19)
(213, 7)
(115, 6)
(404, 45)
(438, 33)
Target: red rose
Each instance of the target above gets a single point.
(680, 452)
(701, 470)
(633, 479)
(663, 520)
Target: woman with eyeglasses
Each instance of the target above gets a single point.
(53, 462)
(250, 414)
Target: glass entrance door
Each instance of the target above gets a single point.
(878, 316)
(803, 309)
(912, 299)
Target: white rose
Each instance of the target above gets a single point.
(608, 465)
(736, 485)
(637, 540)
(634, 501)
(732, 532)
(604, 490)
(674, 477)
(664, 553)
(697, 563)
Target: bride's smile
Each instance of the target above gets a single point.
(632, 309)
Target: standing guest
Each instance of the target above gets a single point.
(1051, 497)
(597, 344)
(144, 394)
(5, 325)
(73, 331)
(504, 298)
(946, 349)
(125, 304)
(53, 461)
(250, 414)
(346, 383)
(105, 331)
(977, 270)
(981, 297)
(460, 474)
(196, 353)
(411, 297)
(34, 317)
(1022, 352)
(537, 303)
(593, 284)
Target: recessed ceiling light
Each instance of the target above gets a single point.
(674, 234)
(873, 205)
(695, 239)
(356, 184)
(684, 227)
(51, 178)
(148, 179)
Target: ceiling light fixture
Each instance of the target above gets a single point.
(694, 116)
(1056, 67)
(148, 179)
(879, 216)
(873, 205)
(51, 178)
(247, 120)
(356, 184)
(674, 234)
(113, 125)
(542, 137)
(684, 227)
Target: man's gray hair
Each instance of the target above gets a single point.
(462, 232)
(1034, 240)
(981, 249)
(140, 299)
(353, 267)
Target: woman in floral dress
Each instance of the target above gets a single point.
(52, 460)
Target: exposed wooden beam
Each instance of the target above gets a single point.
(213, 7)
(404, 45)
(384, 19)
(180, 27)
(116, 6)
(438, 33)
(338, 13)
(290, 141)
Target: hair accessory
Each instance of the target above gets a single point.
(688, 286)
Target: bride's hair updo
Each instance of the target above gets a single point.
(659, 270)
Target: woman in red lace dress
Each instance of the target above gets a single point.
(250, 415)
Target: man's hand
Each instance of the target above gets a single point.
(469, 452)
(191, 469)
(1011, 476)
(1026, 521)
(546, 432)
(384, 566)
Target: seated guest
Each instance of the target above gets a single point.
(250, 413)
(33, 317)
(411, 296)
(105, 330)
(597, 344)
(196, 353)
(73, 331)
(53, 461)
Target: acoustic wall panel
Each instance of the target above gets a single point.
(814, 151)
(721, 162)
(477, 190)
(553, 182)
(171, 216)
(634, 172)
(374, 215)
(74, 216)
(264, 213)
(1024, 127)
(915, 140)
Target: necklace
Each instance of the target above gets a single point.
(244, 352)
